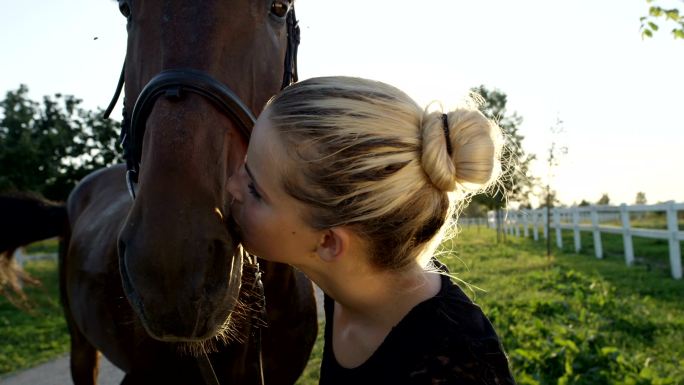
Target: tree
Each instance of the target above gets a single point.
(549, 200)
(48, 147)
(525, 206)
(516, 182)
(604, 200)
(657, 13)
(474, 210)
(640, 198)
(584, 203)
(554, 154)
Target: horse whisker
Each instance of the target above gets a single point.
(246, 315)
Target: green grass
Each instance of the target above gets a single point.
(567, 319)
(48, 246)
(29, 338)
(310, 375)
(573, 319)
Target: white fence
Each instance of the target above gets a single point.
(484, 222)
(592, 219)
(20, 256)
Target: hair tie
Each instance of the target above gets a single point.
(445, 126)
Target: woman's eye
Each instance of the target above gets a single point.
(280, 8)
(253, 191)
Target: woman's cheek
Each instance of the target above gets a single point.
(252, 220)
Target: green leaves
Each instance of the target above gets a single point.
(516, 181)
(48, 147)
(655, 11)
(672, 16)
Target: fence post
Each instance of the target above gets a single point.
(20, 256)
(504, 223)
(517, 224)
(598, 248)
(535, 225)
(556, 221)
(575, 229)
(526, 231)
(627, 235)
(675, 251)
(546, 220)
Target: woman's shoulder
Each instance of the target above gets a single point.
(455, 312)
(451, 311)
(454, 340)
(446, 339)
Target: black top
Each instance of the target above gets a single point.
(443, 340)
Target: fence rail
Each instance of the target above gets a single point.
(592, 219)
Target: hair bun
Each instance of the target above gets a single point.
(475, 143)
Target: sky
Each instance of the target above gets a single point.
(583, 62)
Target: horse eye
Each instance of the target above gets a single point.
(280, 8)
(124, 8)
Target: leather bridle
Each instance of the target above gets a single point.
(175, 84)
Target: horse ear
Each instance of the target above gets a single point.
(333, 244)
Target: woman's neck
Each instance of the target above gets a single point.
(367, 294)
(368, 303)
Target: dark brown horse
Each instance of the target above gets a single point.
(145, 280)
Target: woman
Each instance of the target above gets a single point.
(353, 183)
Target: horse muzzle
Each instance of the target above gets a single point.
(183, 304)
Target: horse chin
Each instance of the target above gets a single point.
(234, 330)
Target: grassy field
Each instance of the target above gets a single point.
(48, 246)
(568, 319)
(573, 319)
(29, 338)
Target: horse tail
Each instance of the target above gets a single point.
(25, 218)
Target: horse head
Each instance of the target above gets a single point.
(194, 73)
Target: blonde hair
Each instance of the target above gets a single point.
(367, 156)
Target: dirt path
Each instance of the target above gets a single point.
(56, 372)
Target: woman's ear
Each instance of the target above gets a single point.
(333, 244)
